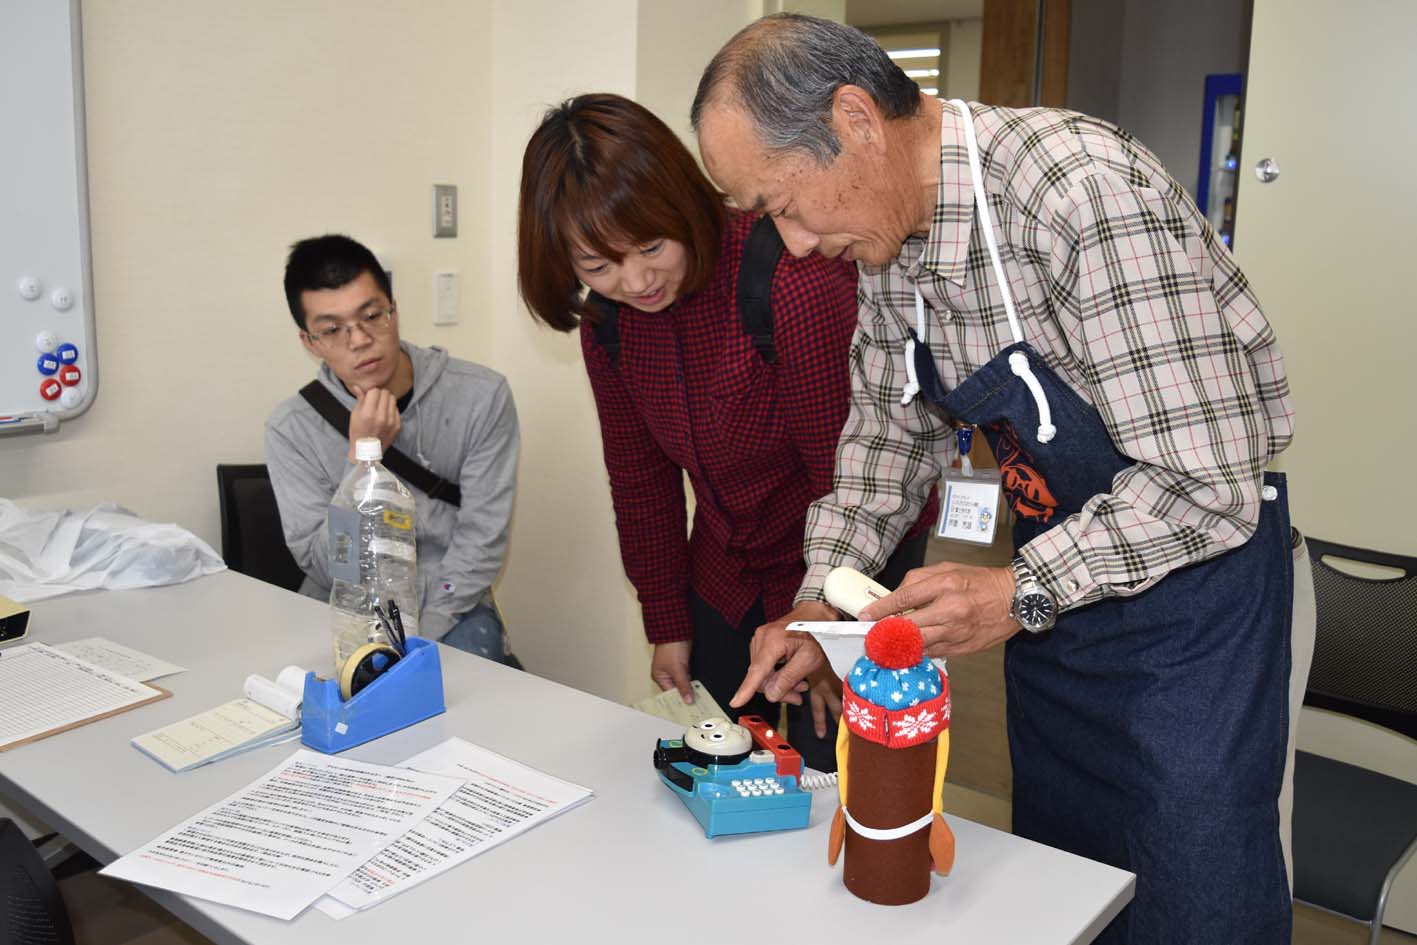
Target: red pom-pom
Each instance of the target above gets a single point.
(895, 643)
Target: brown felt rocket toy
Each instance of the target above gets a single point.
(892, 746)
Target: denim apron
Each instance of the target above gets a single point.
(1147, 732)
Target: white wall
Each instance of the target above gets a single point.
(1167, 51)
(574, 616)
(671, 53)
(1095, 57)
(218, 134)
(1143, 63)
(961, 78)
(569, 608)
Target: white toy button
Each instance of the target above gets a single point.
(45, 341)
(1269, 493)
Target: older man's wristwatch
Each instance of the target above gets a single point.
(1033, 607)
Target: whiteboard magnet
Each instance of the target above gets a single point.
(30, 288)
(62, 299)
(71, 398)
(45, 341)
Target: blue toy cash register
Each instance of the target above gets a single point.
(735, 778)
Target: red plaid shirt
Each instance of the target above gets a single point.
(758, 441)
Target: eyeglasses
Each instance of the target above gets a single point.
(375, 322)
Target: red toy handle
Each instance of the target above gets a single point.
(789, 760)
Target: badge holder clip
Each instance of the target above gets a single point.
(969, 499)
(410, 691)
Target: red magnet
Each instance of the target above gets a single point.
(50, 389)
(70, 375)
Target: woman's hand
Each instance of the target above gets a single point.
(669, 668)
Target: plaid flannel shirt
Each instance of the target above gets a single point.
(689, 394)
(1124, 289)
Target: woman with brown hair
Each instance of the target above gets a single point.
(622, 236)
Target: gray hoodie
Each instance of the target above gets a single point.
(461, 424)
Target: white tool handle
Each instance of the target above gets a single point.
(850, 591)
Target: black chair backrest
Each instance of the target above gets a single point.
(32, 911)
(251, 538)
(1365, 650)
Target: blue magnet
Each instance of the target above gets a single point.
(66, 353)
(47, 364)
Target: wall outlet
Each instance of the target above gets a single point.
(445, 298)
(445, 210)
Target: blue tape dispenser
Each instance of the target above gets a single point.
(387, 692)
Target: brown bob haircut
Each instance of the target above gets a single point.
(603, 171)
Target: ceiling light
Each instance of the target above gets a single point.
(913, 53)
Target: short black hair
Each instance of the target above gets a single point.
(328, 262)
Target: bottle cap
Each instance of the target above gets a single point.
(368, 449)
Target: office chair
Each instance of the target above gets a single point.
(251, 538)
(1354, 829)
(32, 911)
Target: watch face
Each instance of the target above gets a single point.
(1035, 610)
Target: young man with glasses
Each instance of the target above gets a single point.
(454, 418)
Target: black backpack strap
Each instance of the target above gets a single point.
(425, 480)
(607, 330)
(761, 251)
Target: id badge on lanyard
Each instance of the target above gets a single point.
(969, 498)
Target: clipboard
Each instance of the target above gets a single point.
(72, 693)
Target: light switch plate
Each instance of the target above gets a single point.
(445, 298)
(445, 210)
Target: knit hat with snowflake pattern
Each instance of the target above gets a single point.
(894, 695)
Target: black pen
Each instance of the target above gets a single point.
(387, 623)
(398, 624)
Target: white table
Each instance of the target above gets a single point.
(630, 866)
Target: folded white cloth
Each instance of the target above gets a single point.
(45, 554)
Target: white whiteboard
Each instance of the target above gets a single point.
(48, 360)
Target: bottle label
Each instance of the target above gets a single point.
(403, 550)
(400, 520)
(344, 544)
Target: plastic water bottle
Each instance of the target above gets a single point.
(373, 553)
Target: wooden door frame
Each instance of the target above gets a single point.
(1017, 67)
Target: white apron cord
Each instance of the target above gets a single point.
(912, 383)
(1018, 361)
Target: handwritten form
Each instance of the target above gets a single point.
(43, 689)
(120, 659)
(499, 799)
(279, 844)
(269, 711)
(213, 735)
(669, 705)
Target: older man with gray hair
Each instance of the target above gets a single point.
(1038, 275)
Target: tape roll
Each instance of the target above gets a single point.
(365, 665)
